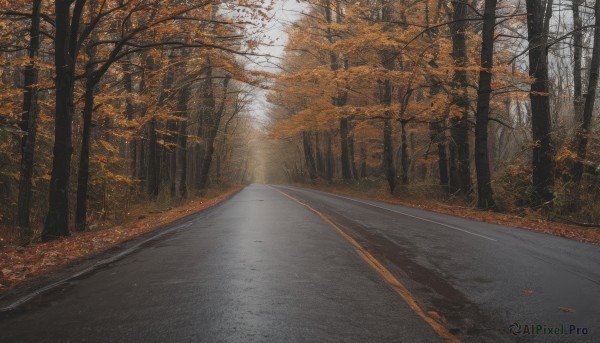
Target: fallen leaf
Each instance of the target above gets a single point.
(566, 309)
(527, 292)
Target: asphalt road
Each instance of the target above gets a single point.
(263, 267)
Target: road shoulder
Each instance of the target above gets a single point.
(42, 275)
(574, 232)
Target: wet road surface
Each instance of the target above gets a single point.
(263, 267)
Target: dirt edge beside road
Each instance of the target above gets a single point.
(578, 233)
(20, 265)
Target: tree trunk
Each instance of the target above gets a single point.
(172, 159)
(388, 155)
(454, 182)
(543, 152)
(308, 156)
(57, 219)
(206, 114)
(319, 156)
(584, 128)
(213, 128)
(405, 161)
(344, 130)
(388, 141)
(210, 149)
(342, 96)
(577, 52)
(143, 165)
(184, 97)
(460, 125)
(438, 136)
(153, 175)
(437, 131)
(352, 156)
(29, 126)
(363, 164)
(167, 157)
(388, 62)
(142, 175)
(485, 198)
(329, 162)
(157, 171)
(84, 157)
(129, 112)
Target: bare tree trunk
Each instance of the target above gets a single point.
(437, 131)
(168, 157)
(387, 61)
(438, 136)
(158, 173)
(363, 164)
(143, 167)
(543, 152)
(84, 158)
(129, 113)
(153, 176)
(352, 156)
(485, 197)
(405, 161)
(388, 155)
(460, 125)
(172, 158)
(308, 156)
(329, 161)
(577, 52)
(341, 98)
(320, 168)
(213, 128)
(184, 97)
(344, 130)
(29, 126)
(66, 26)
(206, 113)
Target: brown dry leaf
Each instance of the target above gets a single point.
(566, 309)
(527, 292)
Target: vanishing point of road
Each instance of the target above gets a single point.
(285, 264)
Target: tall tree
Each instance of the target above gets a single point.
(485, 197)
(539, 13)
(460, 168)
(387, 61)
(577, 55)
(341, 97)
(29, 124)
(182, 134)
(65, 51)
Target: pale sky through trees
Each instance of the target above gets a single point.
(283, 14)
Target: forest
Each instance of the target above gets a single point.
(111, 104)
(484, 104)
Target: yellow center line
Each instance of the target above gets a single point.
(404, 293)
